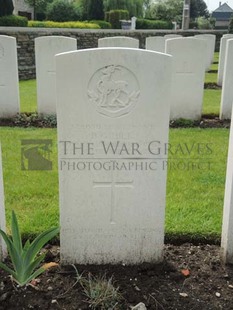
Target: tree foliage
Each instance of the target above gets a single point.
(170, 10)
(198, 8)
(61, 11)
(38, 5)
(6, 7)
(134, 7)
(173, 9)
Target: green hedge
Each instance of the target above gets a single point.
(51, 24)
(153, 24)
(13, 21)
(103, 24)
(115, 16)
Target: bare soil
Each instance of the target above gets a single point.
(191, 277)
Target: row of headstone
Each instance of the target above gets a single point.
(222, 57)
(47, 47)
(45, 50)
(188, 77)
(157, 43)
(118, 42)
(227, 89)
(3, 251)
(9, 83)
(112, 193)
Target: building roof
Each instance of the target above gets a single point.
(224, 8)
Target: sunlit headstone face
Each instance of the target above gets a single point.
(112, 107)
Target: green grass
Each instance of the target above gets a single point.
(28, 101)
(211, 101)
(32, 194)
(216, 57)
(214, 66)
(194, 197)
(211, 77)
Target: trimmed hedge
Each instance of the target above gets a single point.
(103, 24)
(51, 24)
(13, 21)
(115, 16)
(152, 24)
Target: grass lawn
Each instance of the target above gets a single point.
(214, 66)
(194, 197)
(211, 77)
(28, 100)
(211, 101)
(216, 57)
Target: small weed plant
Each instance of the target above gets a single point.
(100, 292)
(25, 259)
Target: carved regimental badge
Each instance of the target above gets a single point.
(114, 90)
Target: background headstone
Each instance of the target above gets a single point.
(112, 203)
(222, 57)
(210, 47)
(172, 36)
(227, 226)
(46, 48)
(118, 42)
(188, 77)
(3, 250)
(156, 44)
(227, 89)
(9, 81)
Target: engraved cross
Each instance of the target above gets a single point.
(113, 185)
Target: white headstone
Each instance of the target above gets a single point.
(9, 80)
(133, 23)
(227, 89)
(227, 226)
(3, 250)
(210, 48)
(110, 119)
(172, 36)
(45, 49)
(222, 57)
(118, 42)
(156, 44)
(188, 77)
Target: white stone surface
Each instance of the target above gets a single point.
(45, 49)
(119, 41)
(156, 44)
(3, 250)
(133, 23)
(112, 202)
(9, 81)
(22, 6)
(172, 36)
(210, 48)
(227, 226)
(227, 89)
(188, 77)
(222, 57)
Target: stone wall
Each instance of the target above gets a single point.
(85, 39)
